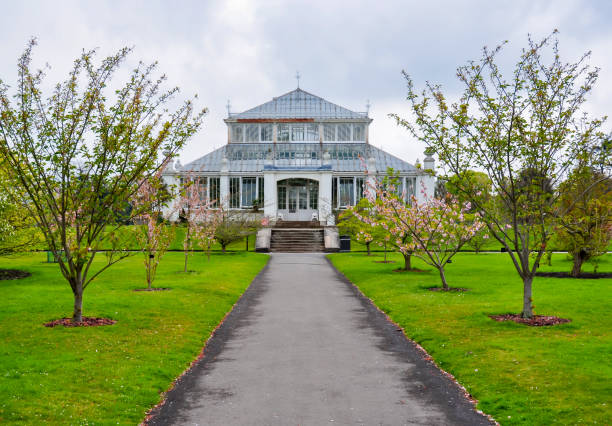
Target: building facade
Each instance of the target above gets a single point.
(297, 157)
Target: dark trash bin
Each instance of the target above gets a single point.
(345, 243)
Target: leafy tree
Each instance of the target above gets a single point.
(532, 120)
(585, 227)
(80, 154)
(18, 231)
(351, 223)
(234, 226)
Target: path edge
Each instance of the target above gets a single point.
(152, 414)
(420, 349)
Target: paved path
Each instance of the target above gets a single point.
(302, 347)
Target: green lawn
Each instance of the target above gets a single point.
(519, 374)
(111, 374)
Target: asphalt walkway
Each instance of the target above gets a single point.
(303, 347)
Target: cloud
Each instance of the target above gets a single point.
(346, 51)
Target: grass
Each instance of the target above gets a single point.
(519, 374)
(110, 374)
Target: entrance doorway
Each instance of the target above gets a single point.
(298, 199)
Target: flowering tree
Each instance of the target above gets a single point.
(155, 236)
(357, 222)
(201, 220)
(438, 228)
(525, 130)
(205, 228)
(80, 154)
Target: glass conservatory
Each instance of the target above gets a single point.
(298, 157)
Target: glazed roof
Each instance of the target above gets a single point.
(299, 104)
(253, 157)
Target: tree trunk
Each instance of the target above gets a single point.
(407, 264)
(527, 300)
(77, 314)
(247, 243)
(443, 278)
(186, 257)
(368, 247)
(208, 252)
(223, 248)
(149, 273)
(577, 268)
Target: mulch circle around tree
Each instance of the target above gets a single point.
(456, 289)
(409, 270)
(535, 321)
(383, 261)
(13, 274)
(87, 322)
(583, 275)
(152, 289)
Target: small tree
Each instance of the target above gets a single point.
(234, 226)
(193, 205)
(80, 155)
(205, 229)
(154, 236)
(352, 222)
(437, 228)
(585, 226)
(531, 121)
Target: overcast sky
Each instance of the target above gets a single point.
(346, 51)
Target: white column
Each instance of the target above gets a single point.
(169, 212)
(370, 183)
(224, 184)
(270, 195)
(326, 216)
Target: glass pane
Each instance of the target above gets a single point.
(360, 182)
(329, 132)
(410, 188)
(358, 132)
(334, 193)
(252, 133)
(235, 192)
(312, 132)
(202, 190)
(248, 191)
(303, 195)
(297, 132)
(283, 133)
(266, 132)
(292, 199)
(237, 133)
(282, 197)
(347, 195)
(314, 196)
(214, 190)
(344, 132)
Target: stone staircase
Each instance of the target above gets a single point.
(297, 240)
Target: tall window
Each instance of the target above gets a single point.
(410, 188)
(283, 133)
(329, 132)
(344, 132)
(312, 132)
(297, 132)
(314, 196)
(346, 192)
(234, 193)
(358, 132)
(237, 133)
(252, 132)
(334, 193)
(282, 197)
(249, 191)
(202, 189)
(266, 132)
(214, 189)
(360, 186)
